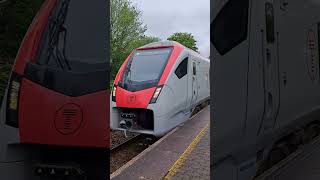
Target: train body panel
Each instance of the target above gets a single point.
(54, 116)
(265, 77)
(179, 92)
(58, 77)
(52, 130)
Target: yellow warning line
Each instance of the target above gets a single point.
(173, 170)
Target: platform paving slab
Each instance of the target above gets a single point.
(197, 163)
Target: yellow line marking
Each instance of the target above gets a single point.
(173, 170)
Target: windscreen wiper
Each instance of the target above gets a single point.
(127, 79)
(56, 28)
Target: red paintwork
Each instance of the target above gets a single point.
(138, 99)
(30, 43)
(143, 97)
(39, 110)
(177, 49)
(44, 115)
(121, 70)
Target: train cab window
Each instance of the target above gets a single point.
(230, 26)
(72, 50)
(144, 69)
(70, 44)
(182, 69)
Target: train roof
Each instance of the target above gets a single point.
(161, 43)
(172, 43)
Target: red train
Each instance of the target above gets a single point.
(57, 92)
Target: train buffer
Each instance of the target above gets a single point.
(184, 153)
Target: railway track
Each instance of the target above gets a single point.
(125, 151)
(124, 143)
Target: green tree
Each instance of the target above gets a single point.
(125, 26)
(15, 18)
(127, 32)
(141, 42)
(185, 39)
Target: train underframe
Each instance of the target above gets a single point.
(286, 145)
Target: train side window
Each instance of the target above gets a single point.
(230, 27)
(182, 69)
(269, 13)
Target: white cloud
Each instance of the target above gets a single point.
(165, 17)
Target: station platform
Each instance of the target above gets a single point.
(184, 153)
(304, 164)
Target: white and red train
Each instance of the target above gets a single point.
(157, 87)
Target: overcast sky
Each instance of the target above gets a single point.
(165, 17)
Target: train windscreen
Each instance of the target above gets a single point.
(144, 69)
(72, 50)
(69, 44)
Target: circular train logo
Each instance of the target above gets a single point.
(68, 119)
(131, 99)
(311, 54)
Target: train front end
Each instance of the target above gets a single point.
(57, 99)
(140, 94)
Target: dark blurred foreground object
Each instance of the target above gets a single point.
(55, 113)
(265, 83)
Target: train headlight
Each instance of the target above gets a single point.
(155, 95)
(14, 94)
(12, 109)
(114, 93)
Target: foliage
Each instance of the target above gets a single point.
(185, 39)
(142, 41)
(15, 18)
(127, 32)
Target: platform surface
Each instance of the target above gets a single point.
(196, 163)
(187, 147)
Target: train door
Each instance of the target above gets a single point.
(270, 66)
(194, 89)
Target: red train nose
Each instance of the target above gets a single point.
(138, 99)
